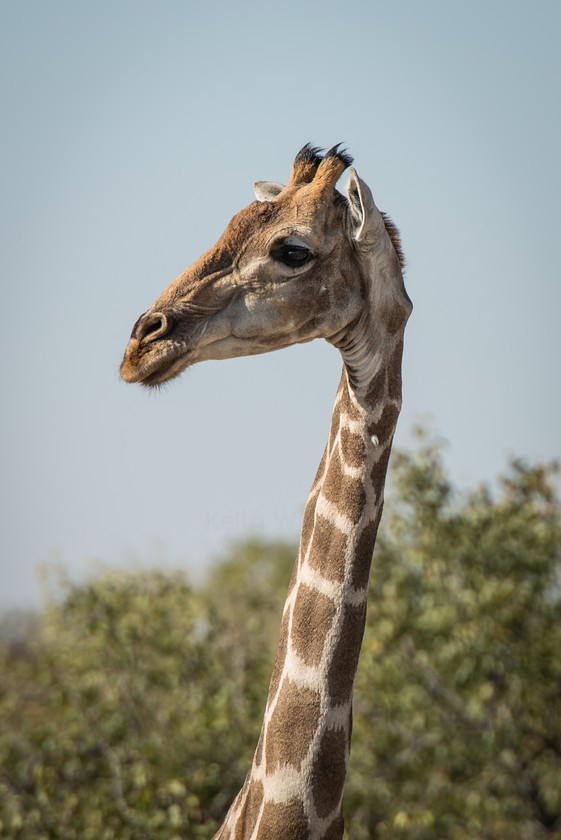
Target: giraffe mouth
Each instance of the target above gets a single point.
(153, 368)
(165, 372)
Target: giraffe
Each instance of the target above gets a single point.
(303, 262)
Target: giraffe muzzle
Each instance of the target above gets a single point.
(152, 326)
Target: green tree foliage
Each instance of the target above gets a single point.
(458, 711)
(134, 711)
(132, 708)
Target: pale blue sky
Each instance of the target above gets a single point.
(132, 132)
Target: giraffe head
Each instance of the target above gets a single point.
(297, 264)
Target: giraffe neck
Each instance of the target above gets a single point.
(294, 789)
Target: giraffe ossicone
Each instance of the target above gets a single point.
(303, 262)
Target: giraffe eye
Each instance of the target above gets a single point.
(291, 255)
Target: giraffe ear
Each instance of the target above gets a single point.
(267, 190)
(366, 219)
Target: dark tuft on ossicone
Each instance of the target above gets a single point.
(309, 155)
(343, 155)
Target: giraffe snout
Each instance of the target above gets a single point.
(152, 326)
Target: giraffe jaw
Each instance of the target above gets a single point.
(159, 364)
(155, 367)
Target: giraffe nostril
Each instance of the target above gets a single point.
(152, 326)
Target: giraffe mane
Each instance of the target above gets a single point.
(393, 233)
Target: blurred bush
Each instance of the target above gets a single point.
(458, 697)
(134, 707)
(131, 707)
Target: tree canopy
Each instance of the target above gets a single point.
(458, 709)
(132, 707)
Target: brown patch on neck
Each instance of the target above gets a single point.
(312, 619)
(335, 830)
(249, 812)
(291, 727)
(281, 655)
(337, 486)
(327, 551)
(364, 552)
(284, 821)
(329, 771)
(342, 670)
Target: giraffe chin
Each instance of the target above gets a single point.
(165, 372)
(155, 372)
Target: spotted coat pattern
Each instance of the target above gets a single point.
(303, 262)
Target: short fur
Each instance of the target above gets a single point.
(242, 298)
